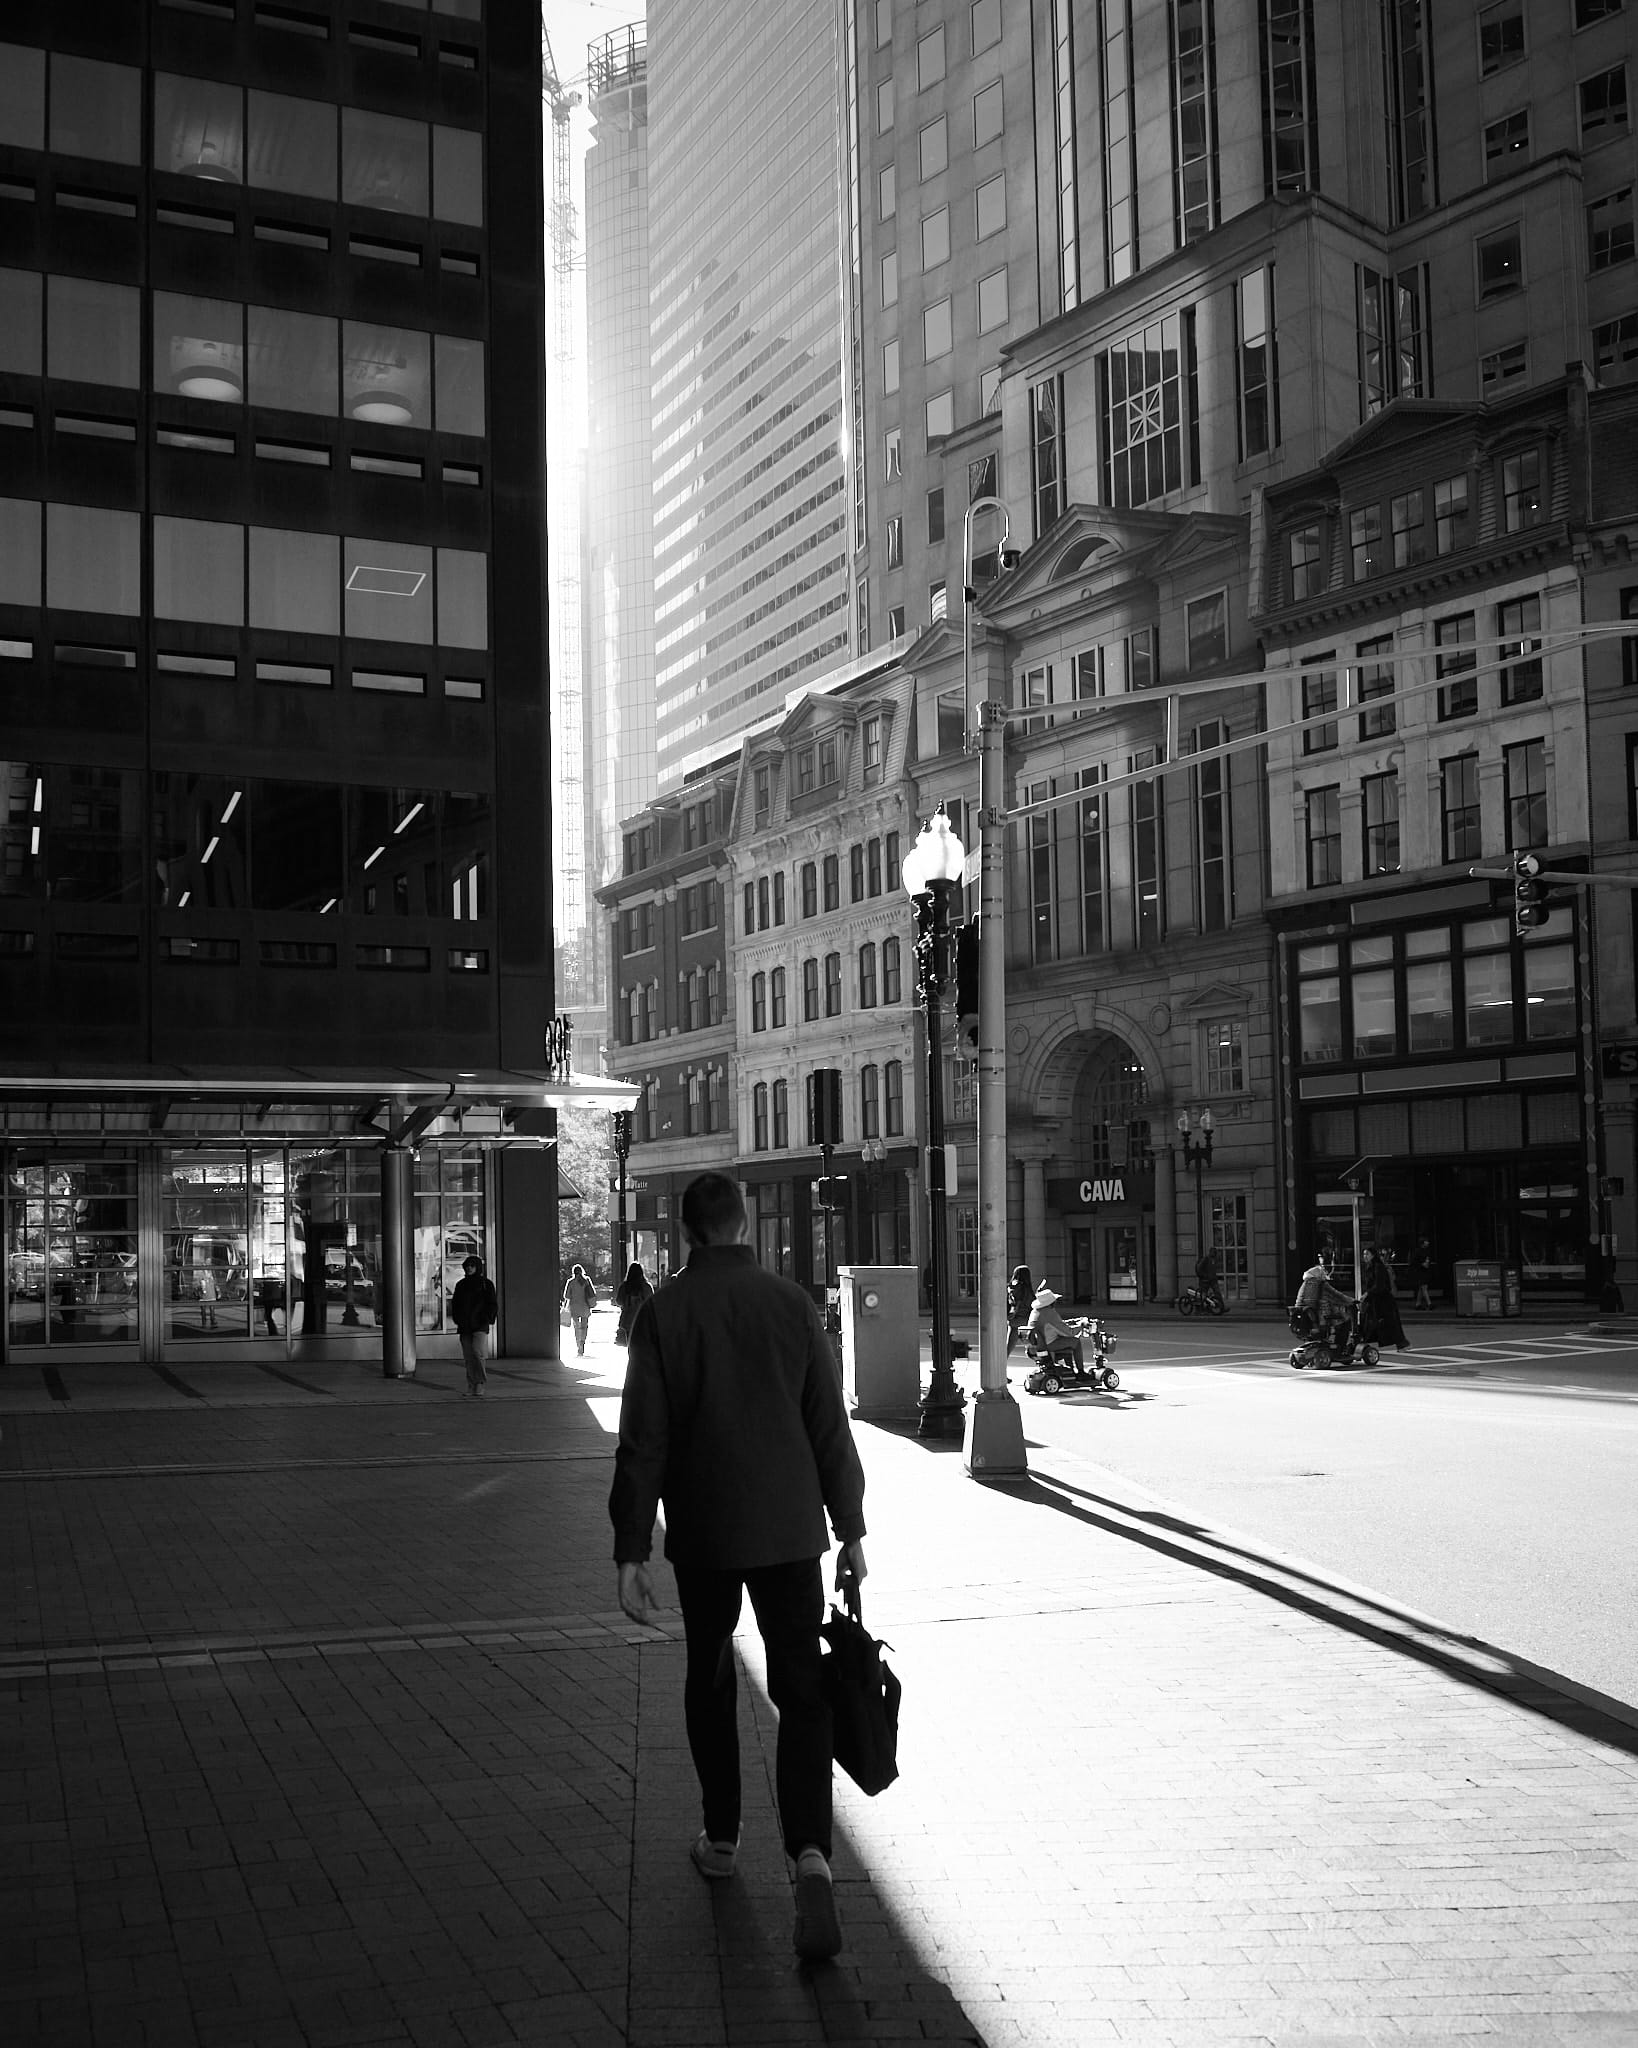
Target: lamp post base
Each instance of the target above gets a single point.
(995, 1440)
(942, 1413)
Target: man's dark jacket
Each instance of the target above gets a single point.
(733, 1415)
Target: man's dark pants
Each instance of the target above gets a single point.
(788, 1601)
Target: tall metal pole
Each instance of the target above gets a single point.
(622, 1145)
(941, 1412)
(995, 1443)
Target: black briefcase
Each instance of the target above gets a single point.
(864, 1698)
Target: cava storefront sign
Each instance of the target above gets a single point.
(1131, 1189)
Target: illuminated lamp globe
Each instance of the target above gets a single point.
(937, 856)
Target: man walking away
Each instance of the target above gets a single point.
(733, 1416)
(472, 1309)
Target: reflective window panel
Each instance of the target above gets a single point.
(293, 361)
(93, 332)
(384, 162)
(459, 366)
(199, 347)
(386, 375)
(20, 559)
(292, 145)
(22, 301)
(392, 860)
(96, 109)
(296, 856)
(389, 590)
(199, 129)
(457, 175)
(201, 832)
(295, 581)
(22, 96)
(199, 571)
(93, 559)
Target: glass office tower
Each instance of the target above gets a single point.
(750, 476)
(275, 931)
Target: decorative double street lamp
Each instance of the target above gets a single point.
(932, 874)
(1198, 1155)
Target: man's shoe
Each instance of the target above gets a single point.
(818, 1937)
(713, 1859)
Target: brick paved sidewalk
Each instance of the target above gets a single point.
(318, 1725)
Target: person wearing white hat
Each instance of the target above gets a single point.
(1054, 1336)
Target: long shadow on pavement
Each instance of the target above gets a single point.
(1465, 1658)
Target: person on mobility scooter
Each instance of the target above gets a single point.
(1058, 1347)
(1325, 1323)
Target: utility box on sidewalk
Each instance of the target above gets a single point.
(881, 1339)
(1485, 1287)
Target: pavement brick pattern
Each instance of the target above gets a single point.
(318, 1726)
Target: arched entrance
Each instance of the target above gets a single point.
(1100, 1183)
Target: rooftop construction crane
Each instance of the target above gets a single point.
(562, 100)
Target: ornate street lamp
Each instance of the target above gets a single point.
(621, 1122)
(1199, 1157)
(932, 874)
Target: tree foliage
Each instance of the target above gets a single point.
(585, 1153)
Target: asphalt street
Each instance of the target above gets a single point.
(1484, 1476)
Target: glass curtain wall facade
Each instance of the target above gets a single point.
(271, 644)
(618, 639)
(750, 505)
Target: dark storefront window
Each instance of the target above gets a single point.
(71, 1252)
(1472, 986)
(775, 1226)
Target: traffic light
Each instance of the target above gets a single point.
(1529, 894)
(825, 1106)
(966, 985)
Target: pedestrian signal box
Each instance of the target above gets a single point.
(825, 1107)
(966, 985)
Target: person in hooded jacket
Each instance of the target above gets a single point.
(473, 1310)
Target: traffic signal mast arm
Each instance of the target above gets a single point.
(1066, 717)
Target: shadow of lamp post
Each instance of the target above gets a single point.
(932, 874)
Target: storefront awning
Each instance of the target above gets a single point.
(518, 1088)
(401, 1105)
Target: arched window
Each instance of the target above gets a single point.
(867, 975)
(713, 1099)
(781, 1115)
(695, 1104)
(833, 984)
(759, 1117)
(634, 1016)
(1110, 1122)
(713, 994)
(781, 1015)
(759, 1002)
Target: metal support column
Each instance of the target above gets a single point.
(397, 1262)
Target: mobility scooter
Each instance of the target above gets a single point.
(1056, 1371)
(1334, 1343)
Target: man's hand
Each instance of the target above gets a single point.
(637, 1593)
(850, 1563)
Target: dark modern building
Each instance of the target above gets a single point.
(275, 928)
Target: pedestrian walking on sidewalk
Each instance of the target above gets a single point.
(733, 1415)
(629, 1297)
(579, 1296)
(472, 1309)
(1020, 1299)
(1380, 1319)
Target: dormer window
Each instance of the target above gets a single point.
(818, 764)
(1305, 557)
(1523, 492)
(762, 795)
